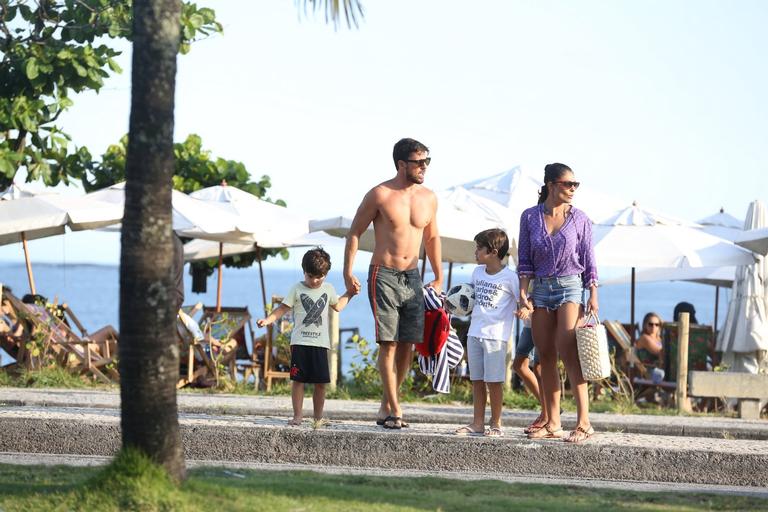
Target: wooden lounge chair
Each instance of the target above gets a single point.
(54, 338)
(195, 360)
(234, 323)
(271, 357)
(628, 360)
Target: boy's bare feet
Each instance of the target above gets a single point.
(294, 422)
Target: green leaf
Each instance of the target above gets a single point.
(80, 70)
(31, 69)
(196, 20)
(114, 66)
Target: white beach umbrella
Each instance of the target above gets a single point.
(15, 191)
(260, 223)
(458, 221)
(43, 215)
(746, 327)
(636, 237)
(714, 276)
(723, 225)
(511, 192)
(200, 250)
(756, 240)
(191, 218)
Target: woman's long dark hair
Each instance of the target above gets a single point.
(552, 173)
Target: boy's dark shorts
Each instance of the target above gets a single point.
(397, 302)
(310, 364)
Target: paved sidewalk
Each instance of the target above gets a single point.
(423, 446)
(236, 429)
(365, 411)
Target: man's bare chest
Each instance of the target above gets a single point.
(405, 212)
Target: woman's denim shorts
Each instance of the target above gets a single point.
(553, 292)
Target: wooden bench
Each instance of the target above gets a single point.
(751, 390)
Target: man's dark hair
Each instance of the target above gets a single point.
(404, 147)
(316, 262)
(494, 240)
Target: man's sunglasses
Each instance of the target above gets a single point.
(654, 324)
(424, 162)
(569, 184)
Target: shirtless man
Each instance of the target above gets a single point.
(403, 213)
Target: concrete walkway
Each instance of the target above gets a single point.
(365, 411)
(252, 430)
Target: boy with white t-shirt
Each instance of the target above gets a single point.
(496, 295)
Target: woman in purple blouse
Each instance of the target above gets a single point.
(555, 253)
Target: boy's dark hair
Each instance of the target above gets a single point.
(316, 262)
(494, 240)
(404, 147)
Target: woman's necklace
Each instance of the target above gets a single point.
(551, 211)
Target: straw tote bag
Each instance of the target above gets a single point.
(592, 344)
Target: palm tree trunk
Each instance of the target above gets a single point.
(149, 357)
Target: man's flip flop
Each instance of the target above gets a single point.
(393, 422)
(380, 422)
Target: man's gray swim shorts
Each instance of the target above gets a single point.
(397, 302)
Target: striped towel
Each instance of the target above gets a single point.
(439, 365)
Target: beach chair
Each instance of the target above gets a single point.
(232, 324)
(12, 334)
(276, 357)
(54, 339)
(626, 356)
(701, 348)
(236, 323)
(195, 361)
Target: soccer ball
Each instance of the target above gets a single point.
(460, 299)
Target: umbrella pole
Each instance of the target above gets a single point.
(29, 265)
(267, 369)
(632, 309)
(717, 306)
(450, 274)
(261, 279)
(218, 285)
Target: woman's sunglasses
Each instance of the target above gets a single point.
(568, 184)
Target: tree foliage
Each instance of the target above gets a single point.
(50, 51)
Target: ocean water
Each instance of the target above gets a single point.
(92, 291)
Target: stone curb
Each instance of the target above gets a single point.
(365, 411)
(614, 456)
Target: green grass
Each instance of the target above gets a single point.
(461, 392)
(133, 483)
(50, 377)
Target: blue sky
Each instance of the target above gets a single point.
(655, 101)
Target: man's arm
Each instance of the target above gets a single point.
(434, 250)
(366, 212)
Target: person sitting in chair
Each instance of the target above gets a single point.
(685, 307)
(650, 346)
